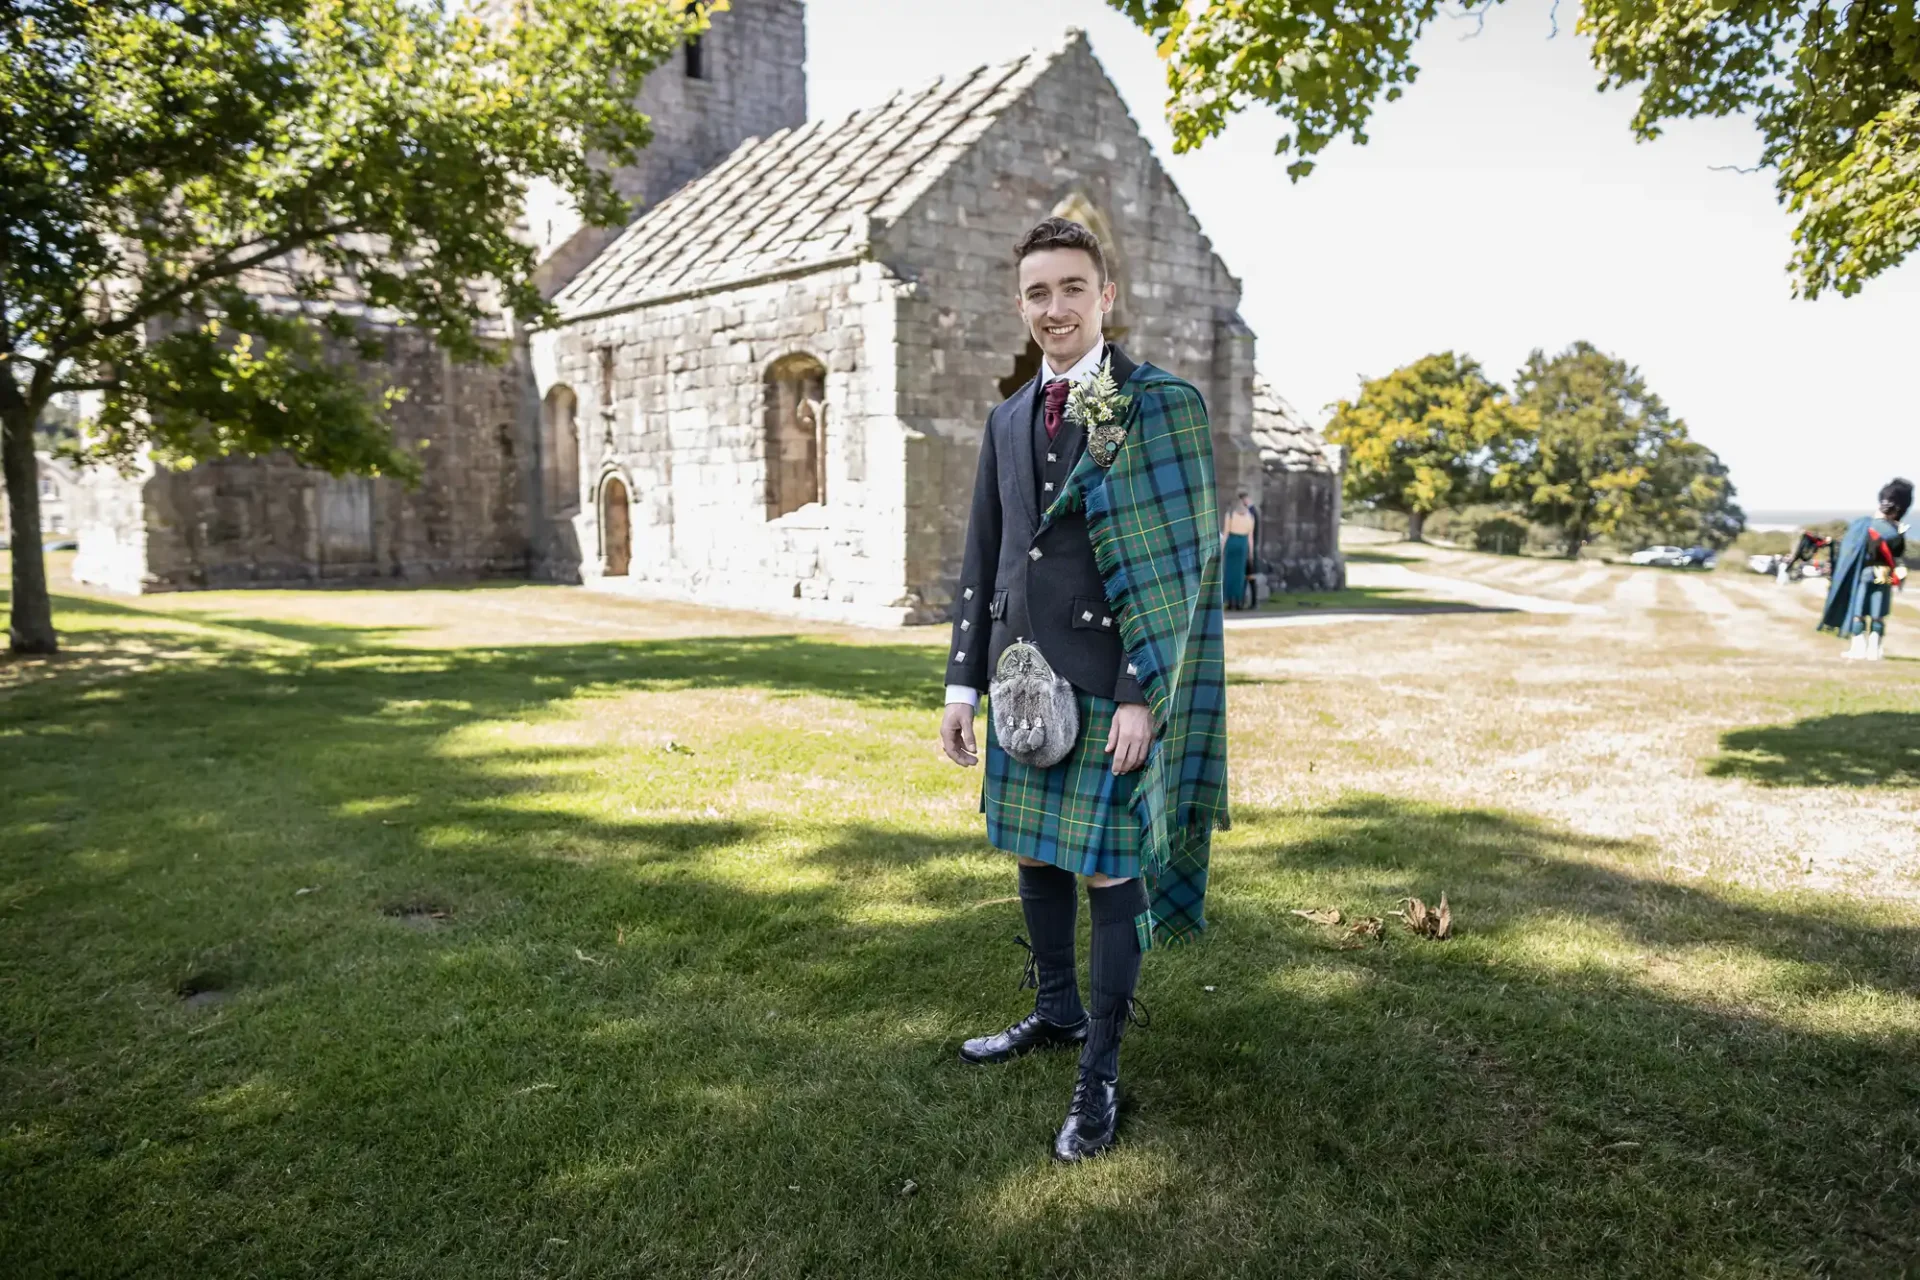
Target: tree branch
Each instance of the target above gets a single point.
(99, 384)
(210, 273)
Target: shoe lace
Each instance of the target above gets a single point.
(1030, 980)
(1137, 1014)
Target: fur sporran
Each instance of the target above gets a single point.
(1035, 716)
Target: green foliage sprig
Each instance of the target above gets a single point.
(1096, 401)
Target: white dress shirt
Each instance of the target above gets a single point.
(1085, 367)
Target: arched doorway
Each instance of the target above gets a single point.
(616, 528)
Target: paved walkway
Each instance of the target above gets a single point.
(1430, 593)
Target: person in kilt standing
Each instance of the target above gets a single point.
(1094, 539)
(1867, 570)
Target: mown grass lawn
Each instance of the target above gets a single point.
(349, 934)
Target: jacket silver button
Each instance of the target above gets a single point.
(1086, 617)
(1034, 554)
(1106, 622)
(960, 656)
(1049, 486)
(965, 625)
(1053, 457)
(1131, 669)
(967, 594)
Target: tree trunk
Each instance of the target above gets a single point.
(1416, 526)
(31, 628)
(1576, 539)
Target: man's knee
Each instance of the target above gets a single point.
(1034, 862)
(1106, 882)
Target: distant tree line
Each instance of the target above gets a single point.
(1579, 445)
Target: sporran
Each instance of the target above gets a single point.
(1036, 718)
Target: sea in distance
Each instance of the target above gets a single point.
(1793, 521)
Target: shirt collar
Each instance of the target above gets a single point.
(1088, 365)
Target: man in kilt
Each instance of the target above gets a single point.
(1094, 536)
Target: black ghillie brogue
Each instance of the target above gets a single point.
(1030, 1033)
(1093, 1119)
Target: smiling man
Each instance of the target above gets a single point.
(1090, 597)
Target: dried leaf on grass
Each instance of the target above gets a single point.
(1427, 922)
(1321, 915)
(1370, 927)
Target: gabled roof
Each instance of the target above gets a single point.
(802, 197)
(1285, 441)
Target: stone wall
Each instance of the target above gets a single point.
(1068, 142)
(673, 402)
(1300, 530)
(754, 59)
(241, 522)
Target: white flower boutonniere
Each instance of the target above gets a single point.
(1101, 411)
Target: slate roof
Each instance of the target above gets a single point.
(803, 197)
(1285, 441)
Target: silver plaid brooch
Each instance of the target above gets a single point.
(1099, 409)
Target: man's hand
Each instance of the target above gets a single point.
(956, 734)
(1129, 737)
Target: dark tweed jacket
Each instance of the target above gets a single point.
(1021, 581)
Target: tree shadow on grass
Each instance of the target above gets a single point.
(686, 1047)
(319, 635)
(1867, 749)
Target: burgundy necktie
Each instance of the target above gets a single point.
(1056, 404)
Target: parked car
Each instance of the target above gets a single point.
(1698, 558)
(1666, 557)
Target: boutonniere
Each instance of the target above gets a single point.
(1099, 409)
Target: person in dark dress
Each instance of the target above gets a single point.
(1236, 553)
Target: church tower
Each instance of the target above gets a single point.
(745, 78)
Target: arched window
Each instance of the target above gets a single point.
(616, 527)
(696, 51)
(796, 434)
(561, 451)
(1085, 212)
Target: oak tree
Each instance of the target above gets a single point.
(1429, 435)
(1608, 459)
(197, 195)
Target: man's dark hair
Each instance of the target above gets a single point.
(1895, 497)
(1061, 233)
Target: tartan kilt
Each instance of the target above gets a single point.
(1075, 815)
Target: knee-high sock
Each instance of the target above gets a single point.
(1115, 971)
(1051, 904)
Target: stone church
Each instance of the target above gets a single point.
(767, 391)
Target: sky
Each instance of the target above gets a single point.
(1502, 205)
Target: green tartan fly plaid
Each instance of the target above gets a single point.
(1155, 529)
